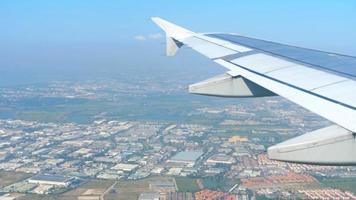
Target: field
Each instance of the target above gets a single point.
(186, 184)
(7, 178)
(130, 190)
(93, 184)
(72, 194)
(346, 184)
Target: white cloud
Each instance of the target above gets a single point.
(155, 36)
(140, 38)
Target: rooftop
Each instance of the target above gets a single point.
(125, 167)
(187, 156)
(149, 196)
(52, 178)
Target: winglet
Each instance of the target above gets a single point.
(175, 35)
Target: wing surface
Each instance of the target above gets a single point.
(321, 82)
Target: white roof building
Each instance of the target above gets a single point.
(125, 167)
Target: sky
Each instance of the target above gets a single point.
(67, 37)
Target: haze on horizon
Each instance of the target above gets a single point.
(47, 40)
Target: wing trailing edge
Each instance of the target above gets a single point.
(332, 145)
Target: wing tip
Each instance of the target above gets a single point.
(156, 19)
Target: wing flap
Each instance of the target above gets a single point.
(227, 85)
(331, 145)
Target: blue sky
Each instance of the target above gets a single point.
(72, 33)
(106, 21)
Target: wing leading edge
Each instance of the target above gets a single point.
(261, 68)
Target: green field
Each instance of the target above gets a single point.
(218, 182)
(345, 184)
(186, 184)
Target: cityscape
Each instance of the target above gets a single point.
(177, 100)
(92, 140)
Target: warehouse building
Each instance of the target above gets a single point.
(55, 180)
(187, 158)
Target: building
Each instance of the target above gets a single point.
(55, 180)
(149, 196)
(3, 155)
(179, 196)
(278, 180)
(174, 171)
(187, 158)
(327, 194)
(237, 138)
(157, 170)
(43, 189)
(213, 195)
(91, 197)
(125, 167)
(221, 159)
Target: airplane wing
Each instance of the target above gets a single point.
(321, 82)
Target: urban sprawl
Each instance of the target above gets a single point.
(154, 159)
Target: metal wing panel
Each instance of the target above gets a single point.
(341, 64)
(208, 49)
(262, 62)
(300, 76)
(342, 92)
(235, 47)
(306, 78)
(338, 113)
